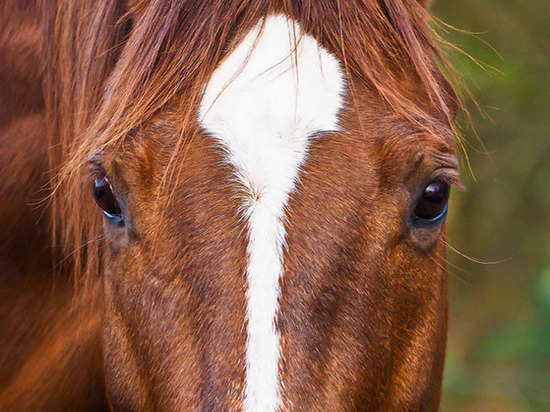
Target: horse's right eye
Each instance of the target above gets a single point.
(104, 197)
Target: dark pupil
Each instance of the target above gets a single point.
(104, 196)
(433, 202)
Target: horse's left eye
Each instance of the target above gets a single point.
(433, 204)
(104, 197)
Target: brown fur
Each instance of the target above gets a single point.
(363, 306)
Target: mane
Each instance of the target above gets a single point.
(111, 67)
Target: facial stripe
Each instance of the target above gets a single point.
(263, 104)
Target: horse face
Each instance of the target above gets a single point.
(291, 254)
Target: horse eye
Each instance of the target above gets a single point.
(104, 197)
(433, 204)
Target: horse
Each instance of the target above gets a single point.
(223, 205)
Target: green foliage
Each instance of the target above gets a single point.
(499, 338)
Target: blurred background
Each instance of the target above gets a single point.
(499, 339)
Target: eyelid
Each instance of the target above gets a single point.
(115, 219)
(448, 170)
(96, 163)
(96, 169)
(449, 175)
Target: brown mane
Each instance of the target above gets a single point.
(132, 62)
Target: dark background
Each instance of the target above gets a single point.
(499, 339)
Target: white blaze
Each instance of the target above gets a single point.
(263, 104)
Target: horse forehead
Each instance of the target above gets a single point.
(278, 82)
